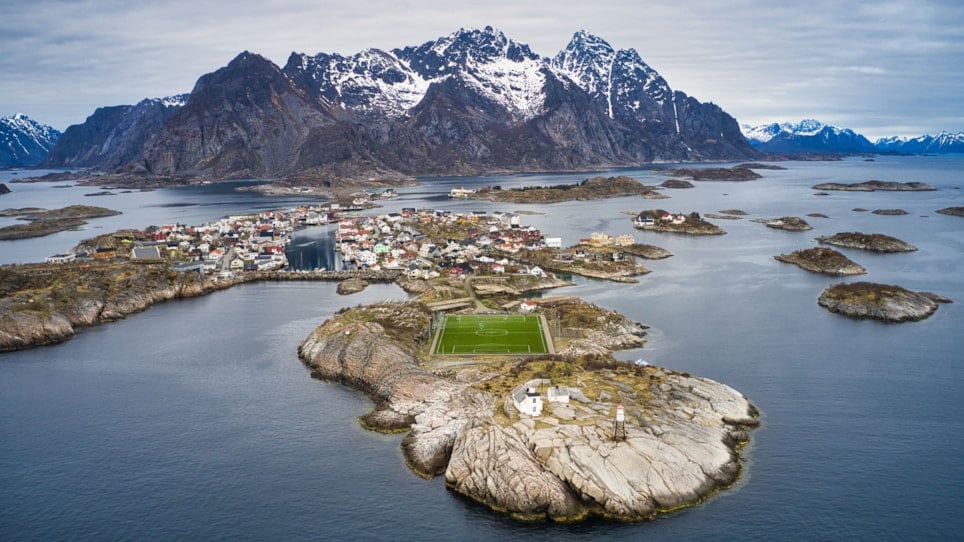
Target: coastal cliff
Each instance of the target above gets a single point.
(44, 305)
(682, 441)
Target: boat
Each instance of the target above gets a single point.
(461, 192)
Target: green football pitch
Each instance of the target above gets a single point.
(491, 334)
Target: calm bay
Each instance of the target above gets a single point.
(196, 420)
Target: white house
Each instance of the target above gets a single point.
(527, 400)
(61, 258)
(558, 394)
(553, 242)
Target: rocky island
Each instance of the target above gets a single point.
(41, 222)
(952, 211)
(889, 212)
(593, 188)
(875, 242)
(728, 214)
(873, 185)
(885, 302)
(680, 440)
(822, 260)
(677, 183)
(661, 221)
(736, 173)
(788, 223)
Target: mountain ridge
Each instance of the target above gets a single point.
(469, 102)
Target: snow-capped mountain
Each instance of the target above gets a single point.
(945, 142)
(619, 80)
(24, 141)
(472, 101)
(806, 136)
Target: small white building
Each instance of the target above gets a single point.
(61, 258)
(558, 394)
(553, 242)
(527, 400)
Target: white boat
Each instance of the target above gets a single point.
(460, 192)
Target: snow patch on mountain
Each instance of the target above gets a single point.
(610, 74)
(496, 67)
(24, 141)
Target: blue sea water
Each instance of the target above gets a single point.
(195, 419)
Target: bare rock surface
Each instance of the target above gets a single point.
(788, 223)
(874, 185)
(683, 433)
(885, 302)
(351, 286)
(875, 242)
(822, 260)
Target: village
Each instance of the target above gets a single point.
(419, 243)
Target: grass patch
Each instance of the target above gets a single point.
(511, 334)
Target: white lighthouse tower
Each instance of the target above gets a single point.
(619, 424)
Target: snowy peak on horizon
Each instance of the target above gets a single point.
(944, 142)
(496, 67)
(24, 141)
(766, 132)
(810, 135)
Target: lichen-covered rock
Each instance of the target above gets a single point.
(822, 260)
(788, 223)
(884, 302)
(351, 286)
(876, 242)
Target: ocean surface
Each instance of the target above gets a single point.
(196, 420)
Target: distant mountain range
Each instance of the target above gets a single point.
(24, 141)
(471, 102)
(812, 136)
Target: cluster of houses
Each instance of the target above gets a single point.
(393, 241)
(231, 244)
(647, 221)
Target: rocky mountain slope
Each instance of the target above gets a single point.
(466, 103)
(113, 136)
(24, 141)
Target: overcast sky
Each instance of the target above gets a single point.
(882, 68)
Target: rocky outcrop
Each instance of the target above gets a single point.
(45, 304)
(677, 183)
(889, 212)
(883, 302)
(589, 189)
(683, 433)
(649, 252)
(875, 242)
(736, 173)
(952, 211)
(351, 286)
(822, 260)
(680, 445)
(4, 189)
(872, 186)
(788, 223)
